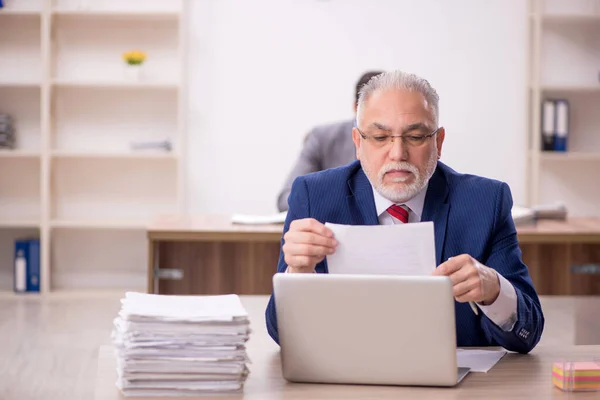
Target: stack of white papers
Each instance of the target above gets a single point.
(181, 345)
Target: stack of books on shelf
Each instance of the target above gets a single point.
(181, 345)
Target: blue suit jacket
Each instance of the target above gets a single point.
(471, 215)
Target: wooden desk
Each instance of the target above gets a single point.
(558, 252)
(214, 256)
(514, 377)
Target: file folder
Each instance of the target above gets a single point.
(562, 125)
(548, 125)
(27, 266)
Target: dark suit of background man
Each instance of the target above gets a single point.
(326, 146)
(399, 179)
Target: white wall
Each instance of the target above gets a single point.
(263, 72)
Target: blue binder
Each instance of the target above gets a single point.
(27, 265)
(562, 125)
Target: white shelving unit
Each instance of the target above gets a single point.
(75, 181)
(565, 64)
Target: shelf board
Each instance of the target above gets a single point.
(7, 223)
(21, 84)
(124, 155)
(569, 156)
(20, 13)
(19, 154)
(570, 17)
(114, 84)
(12, 294)
(118, 224)
(571, 88)
(130, 14)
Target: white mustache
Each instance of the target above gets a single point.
(398, 166)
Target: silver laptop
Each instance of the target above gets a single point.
(367, 329)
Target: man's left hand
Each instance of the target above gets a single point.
(471, 280)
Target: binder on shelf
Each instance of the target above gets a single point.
(548, 125)
(27, 265)
(7, 132)
(562, 125)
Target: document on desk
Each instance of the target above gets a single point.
(407, 249)
(478, 360)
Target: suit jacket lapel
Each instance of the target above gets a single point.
(436, 209)
(360, 201)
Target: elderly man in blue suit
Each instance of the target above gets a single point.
(398, 179)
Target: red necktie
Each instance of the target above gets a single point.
(399, 213)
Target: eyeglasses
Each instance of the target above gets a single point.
(410, 140)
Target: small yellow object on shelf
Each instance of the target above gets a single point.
(134, 57)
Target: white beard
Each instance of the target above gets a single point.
(407, 191)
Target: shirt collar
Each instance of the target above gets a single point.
(415, 204)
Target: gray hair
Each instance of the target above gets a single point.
(403, 81)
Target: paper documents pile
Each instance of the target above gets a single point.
(181, 345)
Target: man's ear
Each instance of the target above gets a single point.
(356, 140)
(439, 139)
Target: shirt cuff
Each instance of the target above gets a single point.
(503, 311)
(286, 270)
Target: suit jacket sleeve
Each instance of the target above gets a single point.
(299, 208)
(505, 258)
(310, 160)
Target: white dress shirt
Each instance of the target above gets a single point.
(503, 311)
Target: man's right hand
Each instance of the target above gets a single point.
(307, 242)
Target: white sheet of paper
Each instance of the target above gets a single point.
(182, 308)
(478, 360)
(406, 249)
(249, 219)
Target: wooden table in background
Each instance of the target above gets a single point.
(210, 255)
(551, 249)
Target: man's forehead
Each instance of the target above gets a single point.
(397, 118)
(404, 125)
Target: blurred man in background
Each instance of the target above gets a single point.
(326, 146)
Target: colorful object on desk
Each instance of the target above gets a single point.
(576, 376)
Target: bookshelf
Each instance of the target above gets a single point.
(565, 64)
(77, 180)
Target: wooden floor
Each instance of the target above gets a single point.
(49, 345)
